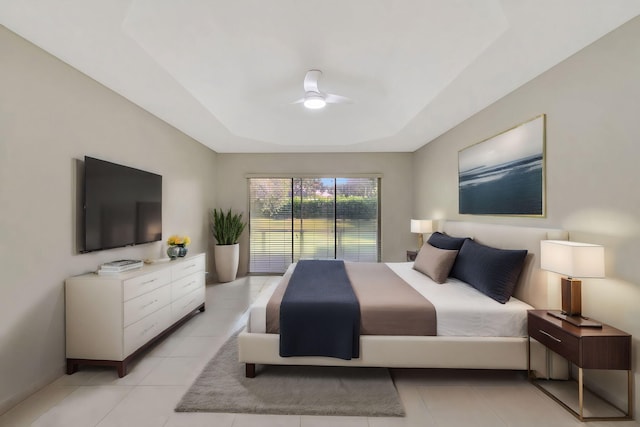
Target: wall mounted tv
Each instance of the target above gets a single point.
(122, 206)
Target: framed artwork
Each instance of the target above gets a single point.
(505, 174)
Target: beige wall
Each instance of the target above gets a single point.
(396, 188)
(592, 102)
(51, 115)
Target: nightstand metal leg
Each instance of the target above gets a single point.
(629, 394)
(547, 361)
(529, 357)
(580, 395)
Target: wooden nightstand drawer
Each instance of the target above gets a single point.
(555, 339)
(606, 352)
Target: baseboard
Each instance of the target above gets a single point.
(21, 395)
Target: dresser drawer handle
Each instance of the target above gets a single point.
(188, 304)
(150, 303)
(189, 284)
(148, 281)
(549, 335)
(147, 329)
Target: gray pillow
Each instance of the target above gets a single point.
(435, 262)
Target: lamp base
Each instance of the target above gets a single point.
(571, 296)
(420, 241)
(579, 321)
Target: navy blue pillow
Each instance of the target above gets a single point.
(442, 241)
(492, 271)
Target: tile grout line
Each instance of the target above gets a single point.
(115, 405)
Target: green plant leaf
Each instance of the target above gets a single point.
(226, 228)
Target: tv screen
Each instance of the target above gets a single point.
(122, 205)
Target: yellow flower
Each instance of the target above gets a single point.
(178, 240)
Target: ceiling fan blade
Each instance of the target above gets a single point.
(311, 81)
(337, 99)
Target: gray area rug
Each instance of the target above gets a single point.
(295, 390)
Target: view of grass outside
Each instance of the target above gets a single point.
(312, 218)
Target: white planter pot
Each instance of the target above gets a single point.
(227, 260)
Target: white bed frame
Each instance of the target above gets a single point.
(436, 351)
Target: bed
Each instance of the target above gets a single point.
(453, 347)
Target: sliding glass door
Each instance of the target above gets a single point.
(314, 235)
(312, 218)
(270, 224)
(357, 222)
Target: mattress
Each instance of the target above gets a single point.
(461, 310)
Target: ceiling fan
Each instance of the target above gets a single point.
(313, 98)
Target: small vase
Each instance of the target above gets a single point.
(182, 251)
(173, 251)
(176, 251)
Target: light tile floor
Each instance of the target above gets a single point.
(95, 396)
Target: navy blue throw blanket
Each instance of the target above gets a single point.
(319, 313)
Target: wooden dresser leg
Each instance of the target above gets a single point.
(250, 370)
(72, 367)
(122, 369)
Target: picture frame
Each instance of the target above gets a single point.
(505, 174)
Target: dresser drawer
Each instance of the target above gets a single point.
(186, 285)
(139, 333)
(187, 267)
(146, 283)
(137, 308)
(555, 339)
(186, 304)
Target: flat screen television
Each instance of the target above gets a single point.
(122, 206)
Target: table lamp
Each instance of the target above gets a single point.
(572, 259)
(421, 226)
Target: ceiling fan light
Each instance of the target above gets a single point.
(314, 102)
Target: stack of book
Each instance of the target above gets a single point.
(115, 267)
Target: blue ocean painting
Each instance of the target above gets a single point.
(512, 188)
(505, 174)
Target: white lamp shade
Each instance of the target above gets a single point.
(421, 226)
(573, 259)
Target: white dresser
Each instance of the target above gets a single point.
(109, 319)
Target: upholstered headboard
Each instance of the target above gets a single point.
(532, 285)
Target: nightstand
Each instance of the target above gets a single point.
(411, 255)
(585, 347)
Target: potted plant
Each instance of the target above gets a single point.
(226, 229)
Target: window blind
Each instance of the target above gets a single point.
(312, 218)
(270, 225)
(357, 219)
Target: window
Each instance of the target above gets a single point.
(270, 224)
(312, 218)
